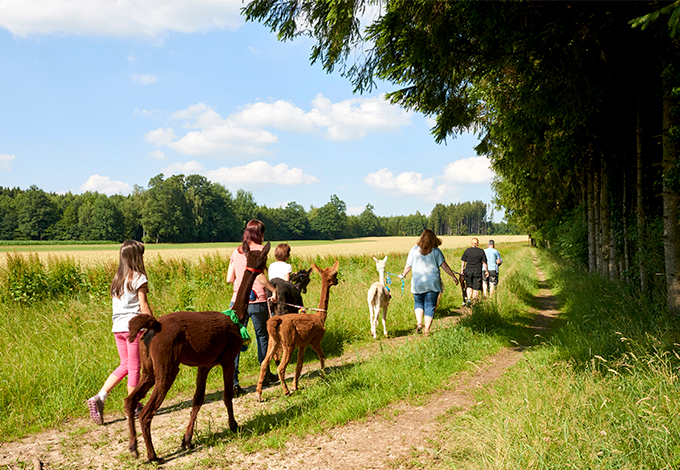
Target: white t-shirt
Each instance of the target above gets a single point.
(126, 306)
(279, 269)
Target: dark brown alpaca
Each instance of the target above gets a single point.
(298, 330)
(196, 339)
(289, 293)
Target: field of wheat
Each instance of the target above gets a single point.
(363, 246)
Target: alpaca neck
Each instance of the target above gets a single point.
(243, 295)
(381, 273)
(323, 300)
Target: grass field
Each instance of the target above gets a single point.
(56, 318)
(599, 392)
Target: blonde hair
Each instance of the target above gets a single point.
(475, 242)
(131, 262)
(428, 241)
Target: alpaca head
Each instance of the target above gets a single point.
(301, 279)
(256, 260)
(380, 264)
(330, 275)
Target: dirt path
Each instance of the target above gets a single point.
(377, 442)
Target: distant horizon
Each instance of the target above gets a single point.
(63, 193)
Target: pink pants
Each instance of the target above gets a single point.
(129, 358)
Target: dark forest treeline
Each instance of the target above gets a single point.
(577, 105)
(192, 209)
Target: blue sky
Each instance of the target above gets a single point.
(103, 95)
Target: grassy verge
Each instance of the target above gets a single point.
(601, 393)
(56, 351)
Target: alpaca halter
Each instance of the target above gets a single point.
(302, 308)
(388, 280)
(242, 329)
(253, 270)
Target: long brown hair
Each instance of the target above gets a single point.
(131, 262)
(254, 233)
(428, 241)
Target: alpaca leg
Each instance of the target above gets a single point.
(199, 398)
(298, 367)
(316, 346)
(228, 367)
(384, 320)
(374, 318)
(285, 360)
(264, 367)
(164, 380)
(145, 383)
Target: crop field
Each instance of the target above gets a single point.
(92, 255)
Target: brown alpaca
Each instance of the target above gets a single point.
(298, 330)
(196, 339)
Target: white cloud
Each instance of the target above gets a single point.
(142, 79)
(106, 185)
(160, 136)
(132, 58)
(408, 183)
(245, 134)
(6, 161)
(260, 172)
(145, 112)
(357, 117)
(158, 155)
(355, 210)
(469, 170)
(189, 168)
(119, 19)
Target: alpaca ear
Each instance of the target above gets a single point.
(336, 265)
(316, 268)
(385, 259)
(266, 248)
(245, 248)
(375, 259)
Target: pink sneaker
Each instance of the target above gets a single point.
(96, 406)
(138, 409)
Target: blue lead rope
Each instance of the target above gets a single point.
(244, 331)
(388, 281)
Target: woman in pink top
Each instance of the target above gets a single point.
(257, 308)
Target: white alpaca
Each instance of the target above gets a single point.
(378, 298)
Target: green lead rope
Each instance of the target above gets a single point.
(244, 331)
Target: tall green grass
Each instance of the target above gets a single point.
(56, 349)
(601, 393)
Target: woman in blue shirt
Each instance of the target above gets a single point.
(424, 260)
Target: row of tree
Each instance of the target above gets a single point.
(192, 209)
(576, 104)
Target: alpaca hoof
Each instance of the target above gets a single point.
(157, 460)
(258, 397)
(233, 426)
(187, 444)
(134, 454)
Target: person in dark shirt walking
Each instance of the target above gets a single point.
(474, 268)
